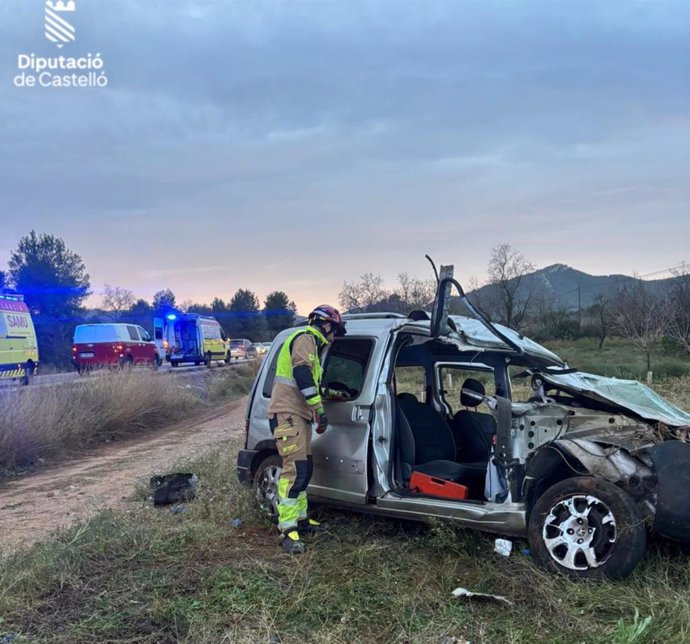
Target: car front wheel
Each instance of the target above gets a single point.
(266, 484)
(587, 528)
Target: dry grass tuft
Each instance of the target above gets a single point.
(37, 422)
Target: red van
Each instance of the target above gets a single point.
(101, 345)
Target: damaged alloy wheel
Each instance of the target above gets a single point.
(586, 527)
(266, 484)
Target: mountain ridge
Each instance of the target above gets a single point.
(572, 288)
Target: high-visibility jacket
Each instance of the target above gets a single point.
(297, 384)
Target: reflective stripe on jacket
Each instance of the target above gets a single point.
(297, 384)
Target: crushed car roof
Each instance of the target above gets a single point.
(475, 333)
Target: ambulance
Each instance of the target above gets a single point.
(190, 337)
(18, 345)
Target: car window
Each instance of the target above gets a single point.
(133, 333)
(346, 364)
(158, 332)
(210, 331)
(452, 378)
(271, 374)
(144, 334)
(411, 380)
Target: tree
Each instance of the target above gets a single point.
(163, 299)
(415, 293)
(553, 319)
(52, 278)
(117, 299)
(507, 268)
(358, 297)
(201, 309)
(678, 330)
(141, 313)
(3, 280)
(279, 313)
(245, 320)
(640, 317)
(601, 309)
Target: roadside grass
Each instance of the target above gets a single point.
(150, 575)
(39, 423)
(619, 359)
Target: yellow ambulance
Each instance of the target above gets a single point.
(18, 346)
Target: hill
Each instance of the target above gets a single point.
(572, 288)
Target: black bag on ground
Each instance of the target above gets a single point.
(174, 488)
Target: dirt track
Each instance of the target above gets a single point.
(33, 507)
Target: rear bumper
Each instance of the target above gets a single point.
(672, 467)
(245, 458)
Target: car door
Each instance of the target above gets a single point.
(340, 453)
(133, 344)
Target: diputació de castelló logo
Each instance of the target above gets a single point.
(86, 70)
(57, 28)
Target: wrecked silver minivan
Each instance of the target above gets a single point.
(458, 418)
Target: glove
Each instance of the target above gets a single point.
(334, 394)
(321, 420)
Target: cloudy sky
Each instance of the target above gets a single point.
(292, 145)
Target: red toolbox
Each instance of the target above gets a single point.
(425, 484)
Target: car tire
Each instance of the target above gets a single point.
(127, 363)
(265, 485)
(587, 528)
(209, 359)
(174, 363)
(228, 358)
(156, 363)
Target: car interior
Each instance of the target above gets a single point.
(443, 429)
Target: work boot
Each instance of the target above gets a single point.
(310, 526)
(291, 543)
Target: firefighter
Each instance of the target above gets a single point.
(296, 402)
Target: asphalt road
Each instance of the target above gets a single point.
(52, 379)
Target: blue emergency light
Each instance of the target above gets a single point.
(171, 316)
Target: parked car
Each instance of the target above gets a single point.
(458, 418)
(112, 344)
(264, 348)
(257, 350)
(239, 347)
(18, 344)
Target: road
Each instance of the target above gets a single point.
(51, 379)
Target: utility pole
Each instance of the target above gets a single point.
(579, 308)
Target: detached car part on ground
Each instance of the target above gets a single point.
(584, 467)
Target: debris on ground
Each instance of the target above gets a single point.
(173, 488)
(463, 592)
(503, 547)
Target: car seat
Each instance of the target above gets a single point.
(427, 445)
(473, 431)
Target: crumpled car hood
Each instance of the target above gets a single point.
(627, 394)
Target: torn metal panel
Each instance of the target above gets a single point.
(611, 463)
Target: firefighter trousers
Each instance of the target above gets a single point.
(293, 441)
